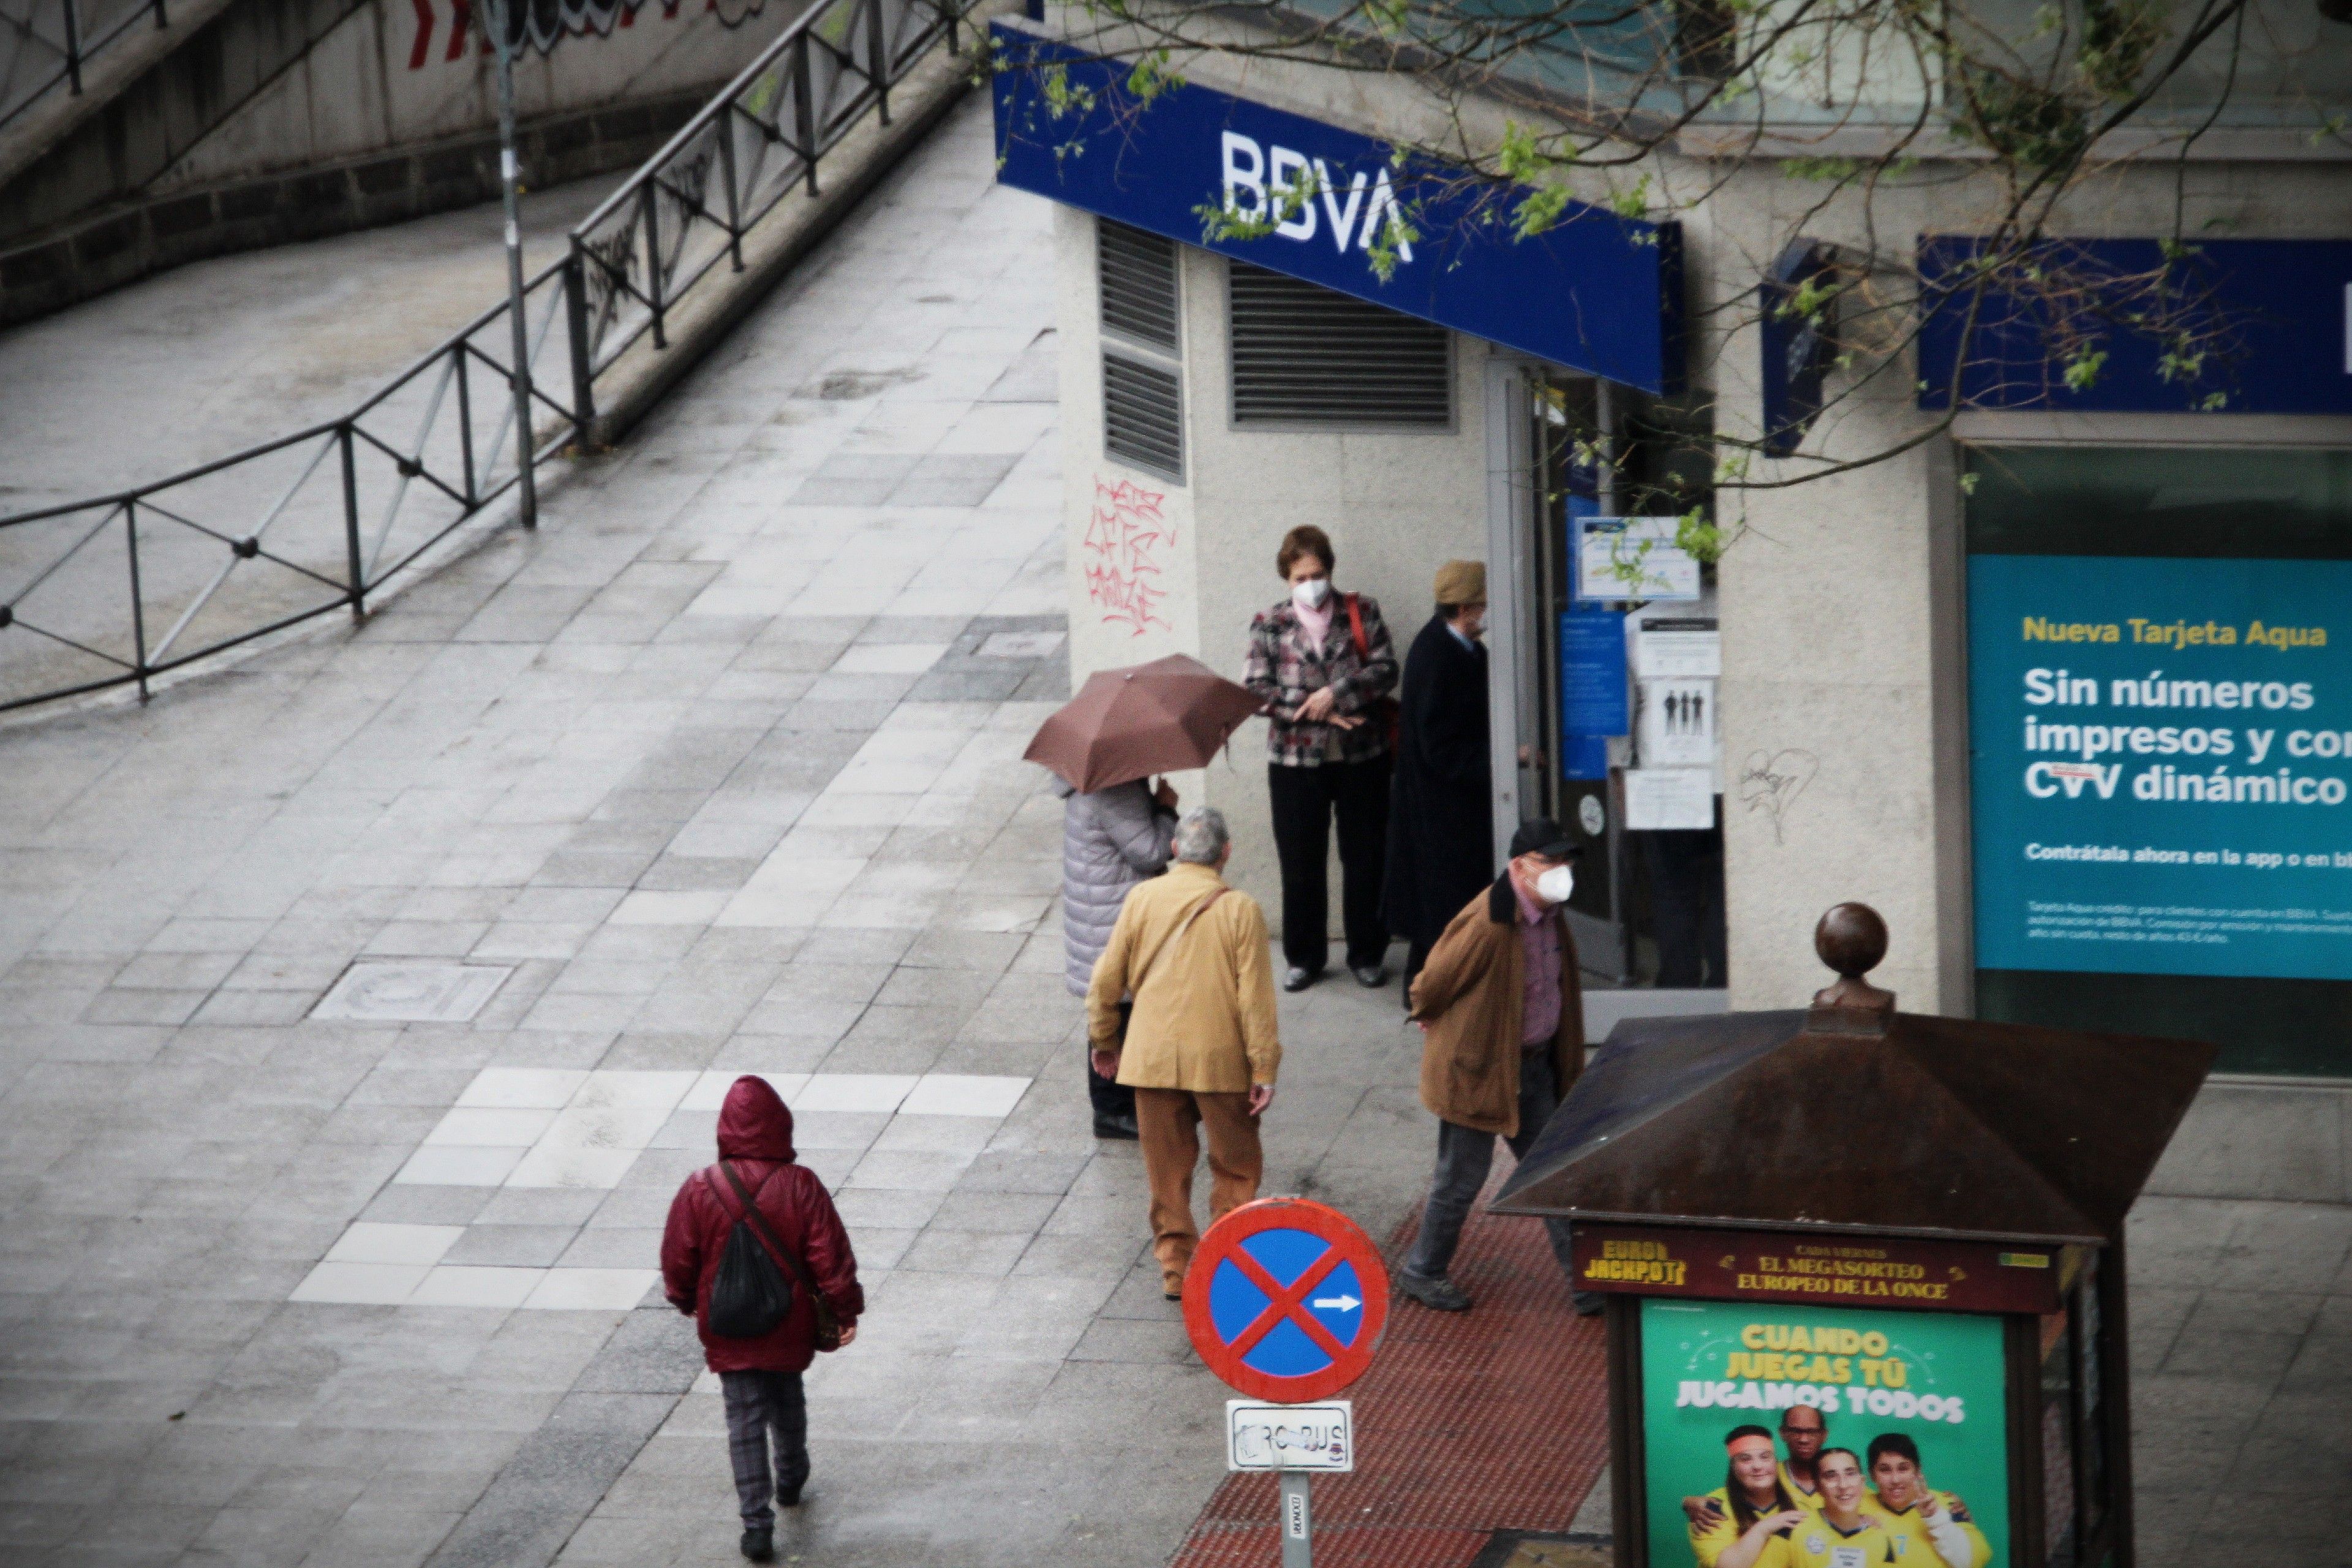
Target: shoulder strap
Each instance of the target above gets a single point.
(1355, 630)
(1135, 987)
(785, 1256)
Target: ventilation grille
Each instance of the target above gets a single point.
(1139, 284)
(1143, 420)
(1306, 355)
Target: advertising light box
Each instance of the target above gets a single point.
(2161, 760)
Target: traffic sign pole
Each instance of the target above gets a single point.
(1298, 1522)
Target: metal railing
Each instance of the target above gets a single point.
(44, 44)
(123, 587)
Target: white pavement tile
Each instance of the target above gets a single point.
(447, 1167)
(465, 1285)
(536, 1088)
(710, 1090)
(590, 1289)
(360, 1284)
(787, 890)
(853, 1091)
(372, 1241)
(484, 1129)
(610, 1121)
(963, 1094)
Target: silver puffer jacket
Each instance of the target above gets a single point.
(1111, 839)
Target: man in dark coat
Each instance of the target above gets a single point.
(762, 1377)
(1442, 812)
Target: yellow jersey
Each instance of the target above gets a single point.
(1916, 1545)
(1817, 1543)
(1809, 1501)
(1707, 1544)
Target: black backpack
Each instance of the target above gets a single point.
(751, 1297)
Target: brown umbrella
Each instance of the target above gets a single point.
(1155, 718)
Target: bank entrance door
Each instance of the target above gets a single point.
(1648, 906)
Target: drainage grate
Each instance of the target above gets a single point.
(398, 992)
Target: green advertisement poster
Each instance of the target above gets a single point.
(1710, 1368)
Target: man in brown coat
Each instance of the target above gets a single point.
(1502, 1011)
(1201, 1049)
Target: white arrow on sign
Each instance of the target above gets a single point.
(1338, 1303)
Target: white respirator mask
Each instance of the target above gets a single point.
(1555, 885)
(1310, 594)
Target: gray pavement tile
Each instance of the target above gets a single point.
(939, 1251)
(122, 1006)
(998, 1171)
(863, 1206)
(613, 1247)
(1062, 1256)
(415, 1204)
(510, 1246)
(568, 1207)
(643, 1207)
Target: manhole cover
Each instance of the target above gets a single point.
(1020, 645)
(398, 993)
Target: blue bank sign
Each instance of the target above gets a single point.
(2162, 758)
(2270, 322)
(1594, 292)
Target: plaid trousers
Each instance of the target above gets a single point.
(759, 1403)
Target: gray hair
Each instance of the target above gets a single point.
(1201, 837)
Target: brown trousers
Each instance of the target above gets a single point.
(1171, 1121)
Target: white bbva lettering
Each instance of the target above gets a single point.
(1263, 184)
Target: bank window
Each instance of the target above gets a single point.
(2160, 736)
(1303, 354)
(1142, 352)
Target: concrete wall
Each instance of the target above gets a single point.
(1395, 502)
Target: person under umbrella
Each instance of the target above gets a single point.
(1116, 832)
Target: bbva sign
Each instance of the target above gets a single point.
(1270, 180)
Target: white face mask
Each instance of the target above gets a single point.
(1310, 594)
(1555, 885)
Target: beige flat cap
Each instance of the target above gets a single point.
(1462, 582)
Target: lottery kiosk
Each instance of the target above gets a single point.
(1908, 1231)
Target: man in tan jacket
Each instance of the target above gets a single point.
(1502, 1012)
(1201, 1047)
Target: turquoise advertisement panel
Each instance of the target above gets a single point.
(1914, 1400)
(2161, 756)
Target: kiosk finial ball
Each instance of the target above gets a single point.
(1851, 939)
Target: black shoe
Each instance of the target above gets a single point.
(1300, 978)
(1589, 1303)
(1370, 976)
(1438, 1295)
(760, 1545)
(1117, 1127)
(789, 1499)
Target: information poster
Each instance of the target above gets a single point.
(1930, 1382)
(2162, 755)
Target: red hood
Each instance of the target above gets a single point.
(754, 1123)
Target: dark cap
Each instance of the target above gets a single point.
(1542, 836)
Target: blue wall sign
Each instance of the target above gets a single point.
(1596, 292)
(1796, 351)
(2162, 753)
(2272, 313)
(1594, 699)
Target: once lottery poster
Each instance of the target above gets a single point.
(1796, 1438)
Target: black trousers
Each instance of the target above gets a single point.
(1305, 800)
(1110, 1098)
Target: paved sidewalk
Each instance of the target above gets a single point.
(717, 773)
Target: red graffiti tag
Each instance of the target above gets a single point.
(1123, 547)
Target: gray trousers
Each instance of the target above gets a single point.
(758, 1404)
(1463, 1157)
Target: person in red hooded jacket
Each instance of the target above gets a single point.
(762, 1377)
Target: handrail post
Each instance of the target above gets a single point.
(351, 521)
(575, 325)
(73, 71)
(724, 129)
(653, 258)
(804, 108)
(137, 607)
(876, 58)
(466, 427)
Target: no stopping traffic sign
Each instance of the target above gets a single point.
(1286, 1299)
